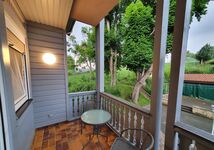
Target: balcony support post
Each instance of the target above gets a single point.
(180, 37)
(162, 11)
(99, 60)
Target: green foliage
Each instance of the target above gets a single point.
(85, 50)
(191, 60)
(148, 85)
(199, 68)
(113, 41)
(191, 68)
(113, 37)
(124, 91)
(167, 72)
(70, 62)
(82, 82)
(206, 53)
(169, 43)
(190, 54)
(199, 8)
(126, 80)
(138, 24)
(210, 61)
(120, 90)
(143, 101)
(126, 76)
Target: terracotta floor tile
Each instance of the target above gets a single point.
(67, 136)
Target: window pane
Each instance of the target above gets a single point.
(17, 75)
(198, 87)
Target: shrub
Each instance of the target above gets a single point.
(143, 101)
(148, 86)
(210, 62)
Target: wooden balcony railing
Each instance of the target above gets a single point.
(79, 102)
(193, 138)
(128, 115)
(125, 115)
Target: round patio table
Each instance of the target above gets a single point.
(96, 118)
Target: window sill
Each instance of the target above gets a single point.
(22, 109)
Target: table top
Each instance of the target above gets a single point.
(96, 117)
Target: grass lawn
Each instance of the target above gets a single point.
(126, 80)
(192, 66)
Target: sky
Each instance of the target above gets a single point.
(200, 33)
(77, 31)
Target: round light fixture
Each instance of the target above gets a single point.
(49, 58)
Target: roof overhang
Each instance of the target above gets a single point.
(63, 13)
(90, 11)
(49, 12)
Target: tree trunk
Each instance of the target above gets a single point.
(88, 63)
(90, 67)
(112, 60)
(139, 84)
(111, 66)
(139, 75)
(136, 92)
(114, 73)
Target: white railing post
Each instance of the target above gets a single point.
(213, 121)
(180, 37)
(162, 11)
(99, 59)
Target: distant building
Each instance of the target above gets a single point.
(168, 58)
(199, 86)
(83, 67)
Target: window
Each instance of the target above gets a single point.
(18, 77)
(198, 87)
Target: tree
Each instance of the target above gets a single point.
(137, 49)
(71, 63)
(131, 55)
(113, 39)
(190, 54)
(113, 36)
(86, 50)
(205, 53)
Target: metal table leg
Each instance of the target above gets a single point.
(96, 130)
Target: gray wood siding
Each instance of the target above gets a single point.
(48, 81)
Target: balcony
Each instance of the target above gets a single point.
(67, 135)
(38, 112)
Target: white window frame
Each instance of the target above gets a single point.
(22, 99)
(173, 122)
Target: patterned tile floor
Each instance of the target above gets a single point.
(67, 136)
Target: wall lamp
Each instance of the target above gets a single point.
(49, 58)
